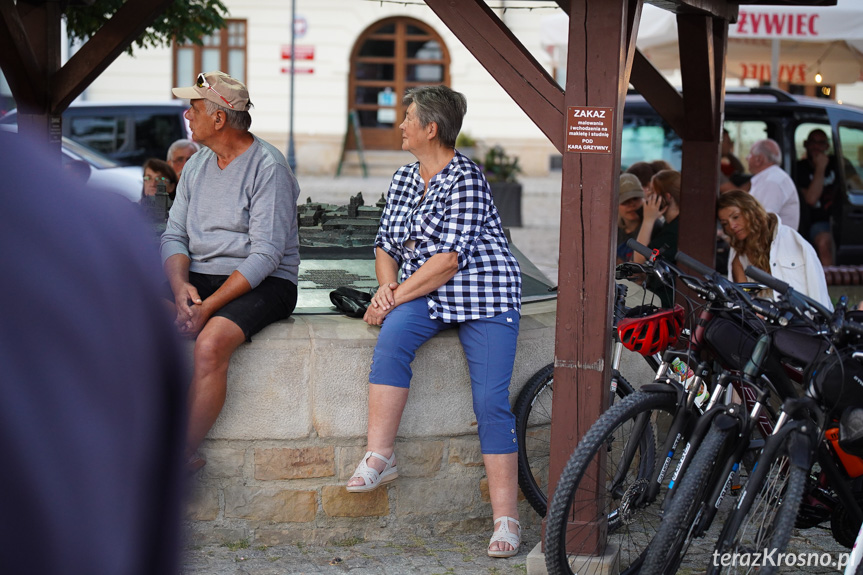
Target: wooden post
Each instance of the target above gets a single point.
(601, 49)
(703, 41)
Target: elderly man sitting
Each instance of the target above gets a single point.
(231, 248)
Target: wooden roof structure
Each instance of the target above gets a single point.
(601, 63)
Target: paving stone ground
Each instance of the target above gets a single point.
(450, 554)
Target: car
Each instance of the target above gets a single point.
(127, 132)
(104, 173)
(752, 114)
(99, 173)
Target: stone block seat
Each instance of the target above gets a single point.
(293, 429)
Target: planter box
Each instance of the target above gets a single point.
(507, 198)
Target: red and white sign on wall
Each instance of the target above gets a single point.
(287, 70)
(302, 51)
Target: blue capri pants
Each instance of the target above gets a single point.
(489, 344)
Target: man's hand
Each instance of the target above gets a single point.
(186, 300)
(820, 161)
(200, 315)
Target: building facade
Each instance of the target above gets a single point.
(354, 60)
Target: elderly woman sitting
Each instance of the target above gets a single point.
(442, 261)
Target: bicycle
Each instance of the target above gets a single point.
(633, 477)
(532, 407)
(770, 507)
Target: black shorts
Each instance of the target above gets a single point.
(274, 299)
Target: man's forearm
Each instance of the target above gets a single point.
(235, 286)
(177, 270)
(816, 187)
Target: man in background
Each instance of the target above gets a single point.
(771, 186)
(179, 153)
(816, 178)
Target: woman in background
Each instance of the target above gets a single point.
(629, 214)
(759, 239)
(159, 172)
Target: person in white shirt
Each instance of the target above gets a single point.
(771, 186)
(761, 240)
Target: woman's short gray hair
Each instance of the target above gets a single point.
(441, 105)
(235, 118)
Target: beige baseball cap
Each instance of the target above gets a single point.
(630, 188)
(218, 88)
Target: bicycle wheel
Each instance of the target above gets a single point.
(766, 512)
(667, 548)
(533, 429)
(613, 490)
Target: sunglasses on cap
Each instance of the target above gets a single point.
(202, 83)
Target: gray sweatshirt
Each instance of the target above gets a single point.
(242, 218)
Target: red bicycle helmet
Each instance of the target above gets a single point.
(648, 330)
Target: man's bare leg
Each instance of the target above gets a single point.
(824, 247)
(213, 349)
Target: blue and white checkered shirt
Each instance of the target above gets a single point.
(456, 215)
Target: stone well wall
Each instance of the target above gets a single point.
(293, 430)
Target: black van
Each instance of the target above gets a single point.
(757, 113)
(128, 133)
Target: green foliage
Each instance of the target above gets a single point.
(500, 167)
(464, 140)
(237, 545)
(187, 20)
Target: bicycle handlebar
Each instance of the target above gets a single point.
(693, 263)
(802, 302)
(663, 268)
(724, 285)
(641, 249)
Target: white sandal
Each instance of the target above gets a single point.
(372, 479)
(503, 535)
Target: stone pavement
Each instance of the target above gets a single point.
(436, 555)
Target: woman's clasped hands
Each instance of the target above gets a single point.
(382, 303)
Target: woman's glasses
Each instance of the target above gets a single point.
(202, 83)
(155, 178)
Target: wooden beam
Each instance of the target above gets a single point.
(633, 18)
(508, 61)
(657, 92)
(103, 48)
(716, 8)
(698, 74)
(703, 40)
(18, 60)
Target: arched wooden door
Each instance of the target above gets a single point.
(389, 57)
